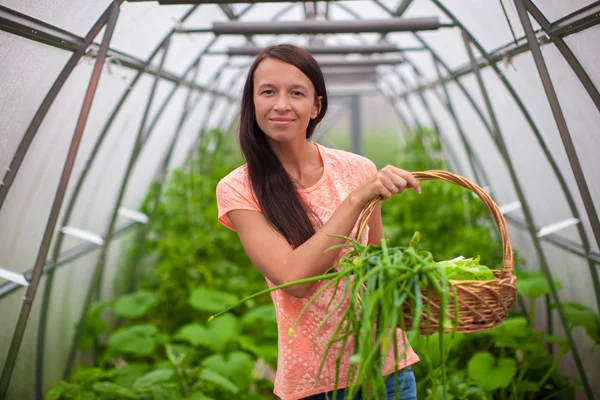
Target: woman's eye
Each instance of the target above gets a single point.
(267, 92)
(297, 93)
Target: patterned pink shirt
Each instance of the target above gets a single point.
(300, 356)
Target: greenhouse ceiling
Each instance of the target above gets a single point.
(98, 97)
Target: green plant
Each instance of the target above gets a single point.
(186, 266)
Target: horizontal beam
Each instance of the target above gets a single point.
(321, 27)
(174, 2)
(350, 63)
(367, 62)
(323, 49)
(350, 77)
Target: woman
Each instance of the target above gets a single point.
(285, 202)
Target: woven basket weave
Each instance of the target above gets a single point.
(482, 305)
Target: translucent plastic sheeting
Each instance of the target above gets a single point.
(485, 20)
(581, 119)
(217, 113)
(451, 135)
(28, 71)
(584, 46)
(264, 12)
(555, 9)
(73, 16)
(154, 151)
(538, 184)
(141, 26)
(502, 189)
(191, 134)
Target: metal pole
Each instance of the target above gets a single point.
(321, 27)
(530, 221)
(41, 257)
(356, 128)
(566, 52)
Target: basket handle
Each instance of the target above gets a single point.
(507, 254)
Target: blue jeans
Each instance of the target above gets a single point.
(407, 388)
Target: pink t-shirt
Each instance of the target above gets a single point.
(300, 356)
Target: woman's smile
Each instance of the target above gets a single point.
(282, 121)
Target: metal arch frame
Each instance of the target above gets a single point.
(69, 163)
(92, 156)
(98, 271)
(531, 226)
(491, 60)
(566, 192)
(561, 123)
(57, 39)
(107, 242)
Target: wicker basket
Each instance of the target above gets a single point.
(482, 305)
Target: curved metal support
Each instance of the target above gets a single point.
(97, 274)
(563, 129)
(75, 195)
(70, 161)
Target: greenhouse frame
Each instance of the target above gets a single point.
(101, 100)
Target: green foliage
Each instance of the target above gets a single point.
(186, 266)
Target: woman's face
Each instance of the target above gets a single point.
(284, 100)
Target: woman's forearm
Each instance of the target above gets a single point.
(310, 258)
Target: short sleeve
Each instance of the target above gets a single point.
(231, 197)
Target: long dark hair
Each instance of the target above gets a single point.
(273, 187)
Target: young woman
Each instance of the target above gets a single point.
(285, 202)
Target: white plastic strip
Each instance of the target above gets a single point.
(13, 277)
(546, 230)
(509, 207)
(82, 234)
(134, 215)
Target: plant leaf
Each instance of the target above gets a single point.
(127, 374)
(199, 396)
(136, 339)
(236, 366)
(153, 378)
(93, 326)
(136, 304)
(115, 391)
(210, 300)
(491, 373)
(579, 315)
(196, 334)
(61, 390)
(219, 380)
(534, 284)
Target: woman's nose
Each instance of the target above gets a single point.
(282, 103)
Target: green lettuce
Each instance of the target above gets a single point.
(466, 269)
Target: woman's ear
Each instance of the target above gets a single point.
(316, 108)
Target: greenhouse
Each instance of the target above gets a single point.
(454, 145)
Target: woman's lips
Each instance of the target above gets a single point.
(282, 121)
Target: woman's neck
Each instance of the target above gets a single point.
(299, 158)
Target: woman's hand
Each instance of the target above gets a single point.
(386, 183)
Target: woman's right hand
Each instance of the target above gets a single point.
(386, 182)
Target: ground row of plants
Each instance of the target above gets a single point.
(154, 342)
